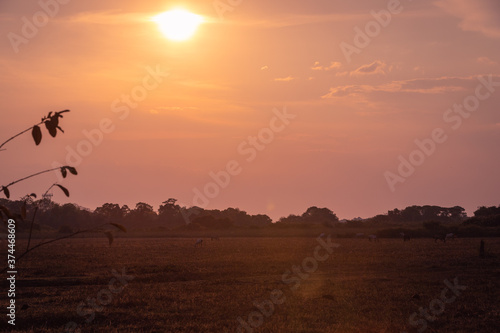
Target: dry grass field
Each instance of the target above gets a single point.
(169, 285)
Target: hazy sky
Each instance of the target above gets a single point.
(351, 104)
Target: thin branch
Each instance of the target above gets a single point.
(31, 227)
(46, 192)
(51, 241)
(15, 136)
(54, 240)
(30, 176)
(34, 216)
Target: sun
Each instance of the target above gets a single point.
(178, 24)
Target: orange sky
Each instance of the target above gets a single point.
(352, 113)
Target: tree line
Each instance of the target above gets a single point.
(69, 217)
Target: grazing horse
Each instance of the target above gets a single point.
(199, 242)
(440, 237)
(373, 238)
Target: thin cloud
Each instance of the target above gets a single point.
(349, 90)
(376, 67)
(284, 79)
(109, 18)
(486, 61)
(291, 20)
(418, 86)
(333, 65)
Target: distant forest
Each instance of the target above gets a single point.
(69, 217)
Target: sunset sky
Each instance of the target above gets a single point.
(351, 115)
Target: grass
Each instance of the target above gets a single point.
(362, 287)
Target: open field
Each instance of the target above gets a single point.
(173, 286)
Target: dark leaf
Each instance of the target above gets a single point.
(6, 191)
(55, 119)
(119, 226)
(51, 127)
(33, 195)
(37, 134)
(64, 172)
(64, 189)
(52, 122)
(110, 236)
(72, 170)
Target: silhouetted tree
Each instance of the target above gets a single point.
(379, 219)
(142, 216)
(170, 215)
(292, 218)
(427, 213)
(125, 210)
(109, 212)
(485, 217)
(313, 215)
(487, 211)
(319, 215)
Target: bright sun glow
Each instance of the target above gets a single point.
(178, 24)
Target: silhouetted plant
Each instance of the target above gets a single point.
(100, 228)
(51, 122)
